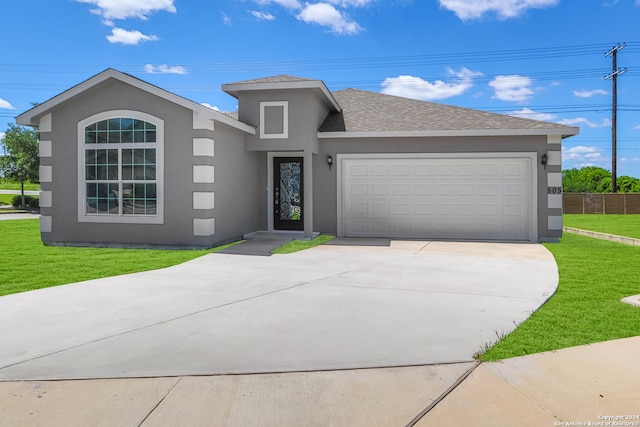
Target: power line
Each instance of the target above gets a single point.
(342, 63)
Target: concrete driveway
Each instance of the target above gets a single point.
(331, 307)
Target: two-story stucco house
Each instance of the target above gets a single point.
(126, 163)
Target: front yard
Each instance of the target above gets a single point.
(594, 276)
(621, 225)
(27, 264)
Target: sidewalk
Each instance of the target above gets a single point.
(592, 383)
(26, 192)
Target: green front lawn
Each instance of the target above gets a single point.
(300, 245)
(594, 276)
(9, 185)
(6, 199)
(27, 264)
(622, 225)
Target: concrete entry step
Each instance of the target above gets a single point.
(261, 243)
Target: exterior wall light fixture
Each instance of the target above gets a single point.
(330, 161)
(543, 160)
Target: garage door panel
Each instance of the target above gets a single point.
(422, 170)
(512, 170)
(466, 198)
(379, 189)
(358, 189)
(401, 170)
(401, 189)
(379, 170)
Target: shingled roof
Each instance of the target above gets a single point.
(282, 78)
(282, 82)
(371, 112)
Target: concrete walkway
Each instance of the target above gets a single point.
(594, 384)
(26, 192)
(327, 308)
(603, 236)
(21, 215)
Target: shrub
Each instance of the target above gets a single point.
(33, 203)
(30, 201)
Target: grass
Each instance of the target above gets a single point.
(300, 245)
(27, 264)
(8, 185)
(594, 276)
(622, 225)
(6, 199)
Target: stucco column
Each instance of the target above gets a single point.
(308, 194)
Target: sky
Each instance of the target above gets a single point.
(541, 59)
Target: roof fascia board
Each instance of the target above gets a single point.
(232, 88)
(27, 117)
(569, 131)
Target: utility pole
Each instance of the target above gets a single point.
(613, 76)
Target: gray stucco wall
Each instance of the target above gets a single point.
(306, 114)
(241, 198)
(325, 180)
(177, 229)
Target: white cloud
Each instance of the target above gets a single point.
(351, 3)
(265, 16)
(505, 9)
(328, 16)
(164, 69)
(326, 13)
(512, 88)
(134, 37)
(581, 156)
(2, 134)
(226, 20)
(417, 88)
(213, 107)
(528, 113)
(589, 93)
(586, 122)
(289, 4)
(6, 105)
(126, 9)
(629, 159)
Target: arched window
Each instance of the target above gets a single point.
(120, 168)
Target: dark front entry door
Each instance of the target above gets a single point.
(287, 193)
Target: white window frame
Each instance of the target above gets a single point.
(83, 216)
(285, 119)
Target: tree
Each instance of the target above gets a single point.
(628, 184)
(592, 179)
(21, 163)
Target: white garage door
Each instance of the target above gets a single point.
(441, 198)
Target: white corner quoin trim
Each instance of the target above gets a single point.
(203, 174)
(204, 200)
(45, 149)
(46, 173)
(204, 227)
(203, 147)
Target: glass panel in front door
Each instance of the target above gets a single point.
(288, 193)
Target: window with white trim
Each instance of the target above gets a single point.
(274, 119)
(120, 168)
